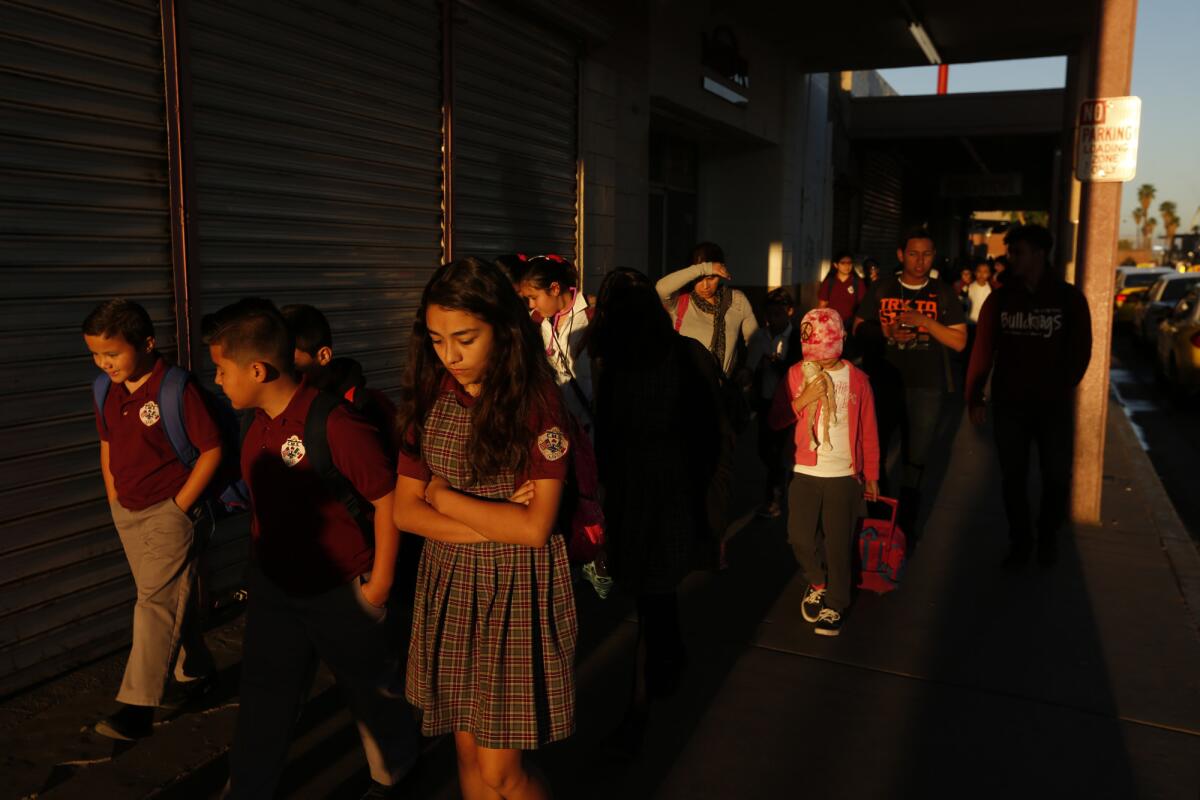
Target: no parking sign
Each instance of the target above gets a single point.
(1106, 147)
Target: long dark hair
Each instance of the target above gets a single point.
(517, 384)
(630, 323)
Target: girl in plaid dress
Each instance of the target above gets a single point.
(481, 471)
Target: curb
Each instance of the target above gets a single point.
(1178, 546)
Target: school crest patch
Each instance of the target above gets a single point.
(292, 450)
(553, 444)
(148, 413)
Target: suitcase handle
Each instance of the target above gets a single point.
(895, 506)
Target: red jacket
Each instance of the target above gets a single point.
(864, 436)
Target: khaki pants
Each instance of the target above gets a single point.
(285, 635)
(159, 545)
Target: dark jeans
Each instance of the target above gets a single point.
(822, 518)
(1017, 430)
(284, 637)
(915, 412)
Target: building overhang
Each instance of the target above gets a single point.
(1025, 113)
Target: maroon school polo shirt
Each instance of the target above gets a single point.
(304, 539)
(551, 428)
(843, 297)
(143, 464)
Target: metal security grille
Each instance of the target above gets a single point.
(317, 140)
(317, 136)
(882, 198)
(515, 118)
(83, 216)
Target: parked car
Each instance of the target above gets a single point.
(1131, 281)
(1153, 305)
(1179, 345)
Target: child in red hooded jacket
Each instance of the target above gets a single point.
(828, 483)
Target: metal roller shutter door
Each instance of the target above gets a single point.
(882, 199)
(515, 118)
(317, 141)
(83, 216)
(317, 135)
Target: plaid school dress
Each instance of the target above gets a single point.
(494, 630)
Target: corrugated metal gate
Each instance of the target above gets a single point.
(83, 216)
(317, 138)
(882, 200)
(515, 122)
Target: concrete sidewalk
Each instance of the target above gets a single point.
(968, 681)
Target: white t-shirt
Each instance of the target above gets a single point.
(977, 294)
(838, 462)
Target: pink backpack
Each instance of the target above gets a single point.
(882, 551)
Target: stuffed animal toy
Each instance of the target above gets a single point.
(814, 372)
(821, 336)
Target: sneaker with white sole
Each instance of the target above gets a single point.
(814, 601)
(829, 623)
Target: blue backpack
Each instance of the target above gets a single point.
(234, 495)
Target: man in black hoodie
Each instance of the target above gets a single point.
(1034, 339)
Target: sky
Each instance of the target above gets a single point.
(1166, 47)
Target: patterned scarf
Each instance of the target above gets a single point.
(717, 310)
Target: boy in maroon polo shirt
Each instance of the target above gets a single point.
(318, 582)
(152, 496)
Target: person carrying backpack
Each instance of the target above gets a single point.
(830, 480)
(155, 500)
(324, 552)
(339, 375)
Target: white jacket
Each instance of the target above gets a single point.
(566, 349)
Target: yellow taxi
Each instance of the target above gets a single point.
(1132, 281)
(1179, 345)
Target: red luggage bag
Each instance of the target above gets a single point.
(881, 550)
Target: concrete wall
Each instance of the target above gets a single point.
(614, 145)
(763, 193)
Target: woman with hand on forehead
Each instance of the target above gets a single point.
(704, 309)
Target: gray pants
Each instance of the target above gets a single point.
(285, 636)
(159, 545)
(822, 517)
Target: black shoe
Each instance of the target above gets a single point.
(128, 724)
(181, 694)
(1047, 551)
(829, 623)
(1018, 556)
(814, 601)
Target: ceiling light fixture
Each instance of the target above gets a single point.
(924, 42)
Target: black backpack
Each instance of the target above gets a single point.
(316, 450)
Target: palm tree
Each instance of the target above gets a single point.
(1139, 217)
(1148, 231)
(1146, 194)
(1170, 224)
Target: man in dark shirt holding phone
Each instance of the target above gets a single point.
(908, 324)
